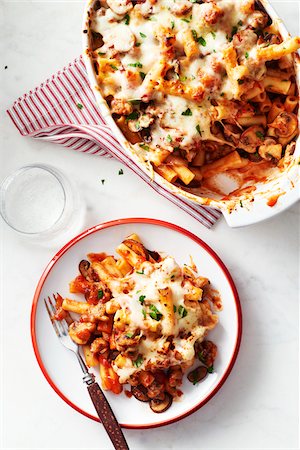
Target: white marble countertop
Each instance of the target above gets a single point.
(257, 407)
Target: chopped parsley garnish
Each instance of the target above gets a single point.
(198, 129)
(182, 311)
(127, 19)
(140, 272)
(240, 23)
(174, 308)
(129, 335)
(186, 20)
(187, 112)
(246, 55)
(142, 299)
(172, 277)
(172, 24)
(100, 294)
(113, 67)
(169, 138)
(79, 106)
(154, 314)
(241, 204)
(138, 362)
(102, 181)
(121, 172)
(144, 313)
(240, 81)
(137, 44)
(6, 67)
(201, 357)
(201, 41)
(144, 147)
(101, 54)
(222, 94)
(142, 75)
(234, 30)
(143, 35)
(135, 101)
(132, 116)
(136, 64)
(210, 369)
(260, 135)
(213, 34)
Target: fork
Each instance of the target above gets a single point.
(98, 398)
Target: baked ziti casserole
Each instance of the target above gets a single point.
(144, 321)
(198, 88)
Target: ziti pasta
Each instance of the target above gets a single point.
(144, 321)
(198, 88)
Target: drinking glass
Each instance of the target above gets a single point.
(41, 204)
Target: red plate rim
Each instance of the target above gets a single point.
(150, 222)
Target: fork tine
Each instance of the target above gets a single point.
(62, 323)
(57, 322)
(50, 317)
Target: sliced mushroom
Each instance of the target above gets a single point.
(84, 266)
(252, 138)
(285, 124)
(160, 406)
(140, 393)
(197, 374)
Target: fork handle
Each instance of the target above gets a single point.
(107, 417)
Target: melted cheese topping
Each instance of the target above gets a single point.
(146, 311)
(133, 35)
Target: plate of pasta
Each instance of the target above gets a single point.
(156, 316)
(203, 96)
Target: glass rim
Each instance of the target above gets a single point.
(10, 178)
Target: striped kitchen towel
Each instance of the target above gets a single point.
(63, 110)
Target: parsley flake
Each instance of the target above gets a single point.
(201, 41)
(138, 362)
(260, 135)
(154, 314)
(144, 313)
(210, 369)
(132, 116)
(79, 106)
(121, 172)
(172, 24)
(136, 64)
(100, 294)
(142, 75)
(198, 129)
(169, 138)
(127, 19)
(102, 181)
(145, 147)
(182, 311)
(113, 67)
(187, 112)
(143, 35)
(129, 335)
(142, 299)
(246, 55)
(140, 272)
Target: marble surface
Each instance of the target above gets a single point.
(257, 408)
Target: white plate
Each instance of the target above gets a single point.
(60, 366)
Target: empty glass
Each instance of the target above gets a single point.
(41, 204)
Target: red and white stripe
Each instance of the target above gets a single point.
(50, 113)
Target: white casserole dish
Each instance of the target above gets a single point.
(282, 191)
